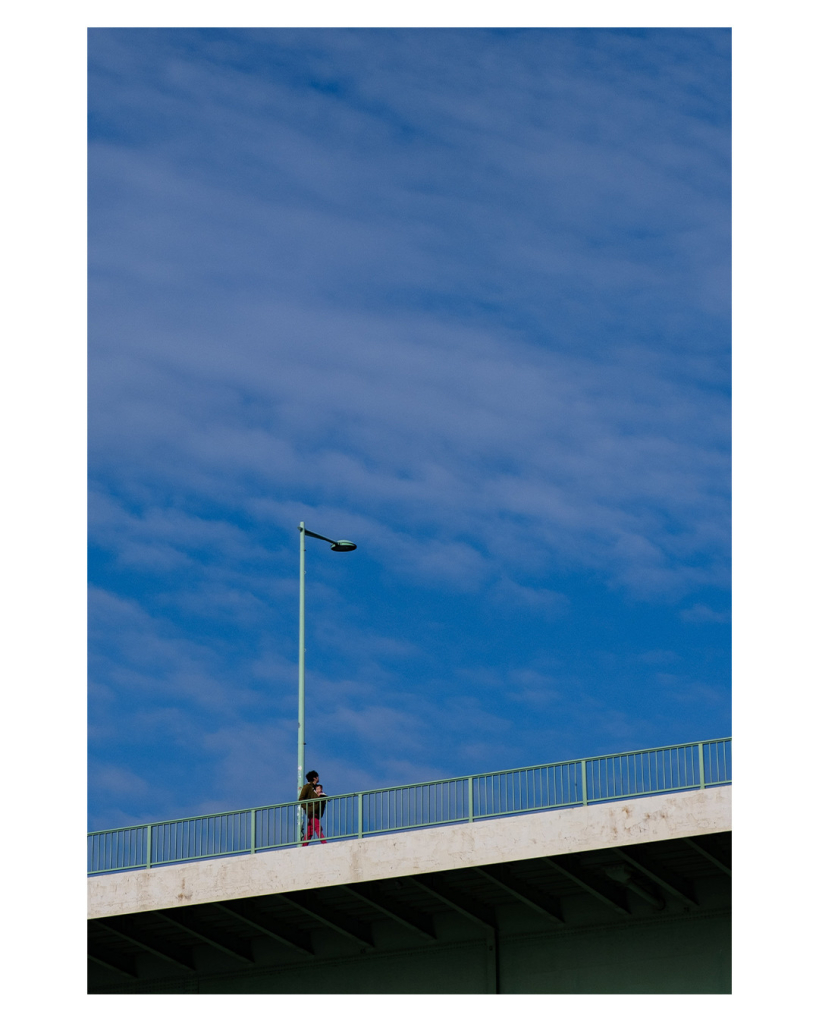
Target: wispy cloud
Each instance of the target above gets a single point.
(702, 613)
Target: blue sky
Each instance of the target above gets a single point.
(462, 296)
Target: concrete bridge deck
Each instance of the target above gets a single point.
(445, 848)
(626, 897)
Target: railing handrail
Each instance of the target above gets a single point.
(412, 785)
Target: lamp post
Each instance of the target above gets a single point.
(336, 545)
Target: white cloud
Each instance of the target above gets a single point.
(702, 613)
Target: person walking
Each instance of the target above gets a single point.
(322, 807)
(312, 802)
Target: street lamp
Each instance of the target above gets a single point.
(336, 545)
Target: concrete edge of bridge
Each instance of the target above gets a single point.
(394, 855)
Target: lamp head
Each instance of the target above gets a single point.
(343, 545)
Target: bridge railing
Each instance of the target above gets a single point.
(590, 780)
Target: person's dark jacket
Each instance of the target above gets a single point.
(311, 801)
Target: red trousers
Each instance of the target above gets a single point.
(313, 829)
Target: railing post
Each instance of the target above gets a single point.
(253, 831)
(147, 846)
(583, 782)
(360, 815)
(471, 809)
(702, 765)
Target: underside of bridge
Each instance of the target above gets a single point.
(644, 918)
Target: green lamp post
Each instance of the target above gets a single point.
(335, 545)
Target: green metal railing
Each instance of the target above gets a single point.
(428, 804)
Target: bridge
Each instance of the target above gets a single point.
(605, 874)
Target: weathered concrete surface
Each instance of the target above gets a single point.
(495, 841)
